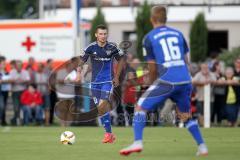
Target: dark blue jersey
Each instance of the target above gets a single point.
(168, 47)
(101, 60)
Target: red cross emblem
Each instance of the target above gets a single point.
(28, 44)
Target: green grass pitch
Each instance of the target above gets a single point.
(161, 143)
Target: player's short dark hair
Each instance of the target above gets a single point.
(159, 14)
(13, 62)
(32, 85)
(101, 26)
(49, 60)
(2, 58)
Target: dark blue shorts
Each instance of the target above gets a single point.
(160, 91)
(101, 91)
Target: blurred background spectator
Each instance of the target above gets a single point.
(202, 78)
(66, 78)
(41, 80)
(224, 87)
(231, 96)
(5, 87)
(31, 68)
(48, 70)
(19, 78)
(219, 93)
(129, 98)
(31, 100)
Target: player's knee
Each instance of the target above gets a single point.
(184, 117)
(138, 108)
(103, 107)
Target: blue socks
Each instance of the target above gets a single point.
(193, 128)
(106, 121)
(139, 121)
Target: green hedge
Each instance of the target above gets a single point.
(229, 56)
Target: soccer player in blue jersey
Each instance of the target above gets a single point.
(165, 47)
(102, 54)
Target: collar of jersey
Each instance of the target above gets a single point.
(103, 46)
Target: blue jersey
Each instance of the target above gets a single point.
(101, 60)
(168, 47)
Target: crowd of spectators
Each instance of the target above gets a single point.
(26, 87)
(223, 80)
(225, 91)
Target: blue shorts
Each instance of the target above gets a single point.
(101, 91)
(160, 91)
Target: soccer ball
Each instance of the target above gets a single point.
(67, 138)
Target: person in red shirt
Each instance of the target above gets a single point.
(129, 97)
(31, 100)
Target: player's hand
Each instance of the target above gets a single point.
(33, 104)
(220, 82)
(79, 69)
(115, 82)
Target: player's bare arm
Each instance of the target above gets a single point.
(119, 69)
(152, 66)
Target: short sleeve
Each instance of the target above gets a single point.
(117, 53)
(85, 54)
(147, 49)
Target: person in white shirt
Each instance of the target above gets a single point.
(65, 89)
(19, 78)
(4, 89)
(41, 80)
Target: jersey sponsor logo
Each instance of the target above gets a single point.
(161, 34)
(174, 63)
(108, 52)
(102, 59)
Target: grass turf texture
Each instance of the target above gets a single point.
(161, 143)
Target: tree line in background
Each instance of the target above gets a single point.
(143, 26)
(199, 39)
(199, 43)
(14, 9)
(98, 19)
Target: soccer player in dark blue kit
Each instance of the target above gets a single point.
(165, 47)
(102, 54)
